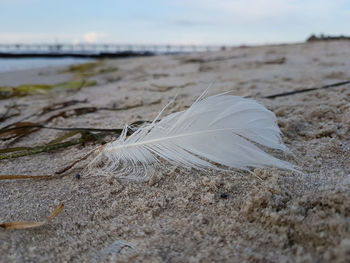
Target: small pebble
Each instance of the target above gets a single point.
(224, 196)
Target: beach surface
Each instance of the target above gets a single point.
(179, 215)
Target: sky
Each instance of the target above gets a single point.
(192, 22)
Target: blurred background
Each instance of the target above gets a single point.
(164, 22)
(223, 22)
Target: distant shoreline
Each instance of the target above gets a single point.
(97, 50)
(123, 54)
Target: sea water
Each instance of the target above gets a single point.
(13, 64)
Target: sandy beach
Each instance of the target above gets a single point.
(180, 215)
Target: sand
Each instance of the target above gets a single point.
(191, 216)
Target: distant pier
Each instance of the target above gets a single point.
(96, 50)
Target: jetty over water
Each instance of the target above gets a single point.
(97, 50)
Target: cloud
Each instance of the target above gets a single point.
(90, 37)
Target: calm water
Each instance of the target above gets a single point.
(12, 64)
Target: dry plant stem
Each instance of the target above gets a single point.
(337, 84)
(79, 160)
(41, 126)
(27, 224)
(60, 172)
(20, 176)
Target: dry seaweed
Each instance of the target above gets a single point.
(23, 90)
(106, 70)
(84, 68)
(32, 89)
(44, 110)
(18, 130)
(164, 88)
(74, 85)
(41, 126)
(89, 69)
(337, 84)
(86, 135)
(21, 129)
(64, 137)
(15, 153)
(11, 111)
(277, 61)
(215, 59)
(60, 105)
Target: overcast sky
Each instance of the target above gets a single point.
(229, 22)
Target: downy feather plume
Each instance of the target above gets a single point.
(219, 132)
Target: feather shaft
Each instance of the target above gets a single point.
(168, 138)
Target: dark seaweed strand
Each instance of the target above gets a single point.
(306, 90)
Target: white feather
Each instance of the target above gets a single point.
(219, 130)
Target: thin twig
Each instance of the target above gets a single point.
(79, 160)
(306, 90)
